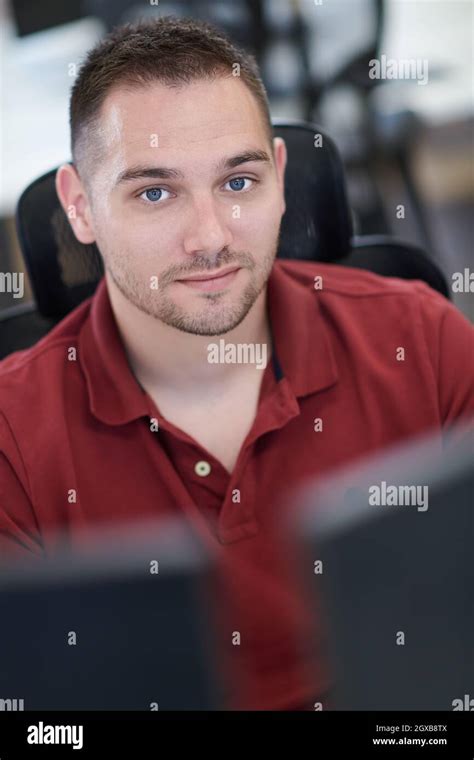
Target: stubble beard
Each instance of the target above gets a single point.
(216, 316)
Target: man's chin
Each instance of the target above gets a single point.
(199, 326)
(207, 319)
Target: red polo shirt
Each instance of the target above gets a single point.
(375, 359)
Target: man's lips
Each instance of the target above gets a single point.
(206, 276)
(212, 281)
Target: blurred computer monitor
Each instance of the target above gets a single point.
(120, 625)
(395, 540)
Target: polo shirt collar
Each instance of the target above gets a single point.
(300, 336)
(115, 395)
(301, 347)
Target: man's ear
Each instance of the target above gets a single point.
(74, 201)
(280, 153)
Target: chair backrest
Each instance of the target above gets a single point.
(390, 257)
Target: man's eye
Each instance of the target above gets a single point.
(153, 195)
(237, 183)
(156, 194)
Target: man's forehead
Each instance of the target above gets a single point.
(201, 113)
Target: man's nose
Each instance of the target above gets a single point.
(208, 227)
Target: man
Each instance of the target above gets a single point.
(129, 408)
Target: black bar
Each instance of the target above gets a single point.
(445, 734)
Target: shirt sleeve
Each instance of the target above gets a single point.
(19, 531)
(450, 341)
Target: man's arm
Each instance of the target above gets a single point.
(450, 341)
(19, 531)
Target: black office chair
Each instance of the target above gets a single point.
(317, 226)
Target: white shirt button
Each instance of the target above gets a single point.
(202, 468)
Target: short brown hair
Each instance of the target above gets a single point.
(174, 51)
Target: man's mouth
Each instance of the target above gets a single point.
(211, 281)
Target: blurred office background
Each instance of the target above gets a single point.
(402, 143)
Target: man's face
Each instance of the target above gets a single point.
(164, 205)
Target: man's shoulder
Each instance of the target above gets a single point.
(28, 370)
(354, 283)
(374, 313)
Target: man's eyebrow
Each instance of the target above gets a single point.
(243, 158)
(161, 172)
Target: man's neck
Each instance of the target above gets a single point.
(161, 356)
